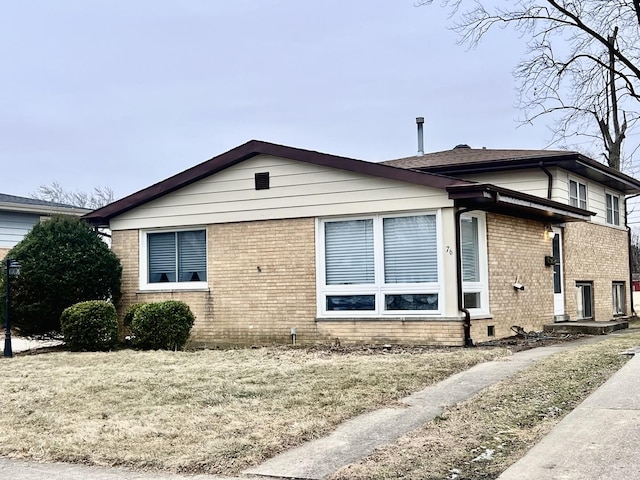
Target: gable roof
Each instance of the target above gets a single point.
(253, 148)
(464, 160)
(14, 203)
(464, 193)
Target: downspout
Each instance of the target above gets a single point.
(550, 182)
(468, 342)
(629, 246)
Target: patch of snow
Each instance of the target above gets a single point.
(485, 456)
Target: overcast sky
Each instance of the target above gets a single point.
(124, 93)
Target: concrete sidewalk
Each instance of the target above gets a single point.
(597, 441)
(360, 436)
(600, 439)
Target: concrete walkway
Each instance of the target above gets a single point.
(360, 436)
(597, 441)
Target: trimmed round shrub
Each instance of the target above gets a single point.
(63, 261)
(90, 326)
(127, 320)
(162, 325)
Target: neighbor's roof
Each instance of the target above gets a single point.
(14, 203)
(464, 160)
(253, 148)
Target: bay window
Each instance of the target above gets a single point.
(379, 265)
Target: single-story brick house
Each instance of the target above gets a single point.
(266, 241)
(18, 215)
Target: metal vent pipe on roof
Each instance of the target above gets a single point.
(420, 123)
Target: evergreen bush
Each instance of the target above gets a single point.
(90, 325)
(162, 325)
(63, 262)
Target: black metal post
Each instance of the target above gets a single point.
(8, 351)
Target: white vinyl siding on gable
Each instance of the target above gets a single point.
(596, 197)
(379, 265)
(297, 190)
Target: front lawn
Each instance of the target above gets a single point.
(207, 411)
(479, 438)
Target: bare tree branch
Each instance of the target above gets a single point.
(100, 196)
(582, 66)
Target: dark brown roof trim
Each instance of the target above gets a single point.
(252, 148)
(492, 198)
(572, 161)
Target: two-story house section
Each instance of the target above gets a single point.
(591, 271)
(269, 243)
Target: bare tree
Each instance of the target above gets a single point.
(582, 64)
(99, 197)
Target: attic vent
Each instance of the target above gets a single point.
(461, 145)
(262, 181)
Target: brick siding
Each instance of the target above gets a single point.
(516, 249)
(598, 254)
(262, 283)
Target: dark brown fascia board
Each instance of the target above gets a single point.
(485, 191)
(535, 162)
(252, 148)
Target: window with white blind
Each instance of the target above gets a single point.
(379, 265)
(173, 259)
(474, 263)
(613, 209)
(577, 194)
(618, 295)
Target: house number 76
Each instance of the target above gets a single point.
(449, 250)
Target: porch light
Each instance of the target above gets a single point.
(13, 270)
(549, 231)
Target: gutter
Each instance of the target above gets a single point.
(629, 246)
(550, 182)
(468, 342)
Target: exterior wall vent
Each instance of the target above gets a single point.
(262, 181)
(461, 145)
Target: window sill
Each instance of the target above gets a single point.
(481, 316)
(389, 319)
(173, 290)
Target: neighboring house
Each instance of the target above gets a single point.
(267, 241)
(18, 215)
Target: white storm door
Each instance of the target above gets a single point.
(558, 283)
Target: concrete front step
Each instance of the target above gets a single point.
(587, 327)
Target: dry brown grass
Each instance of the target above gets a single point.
(207, 411)
(501, 423)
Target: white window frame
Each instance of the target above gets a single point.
(620, 296)
(580, 285)
(579, 182)
(482, 286)
(613, 196)
(144, 262)
(378, 288)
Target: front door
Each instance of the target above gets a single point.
(558, 290)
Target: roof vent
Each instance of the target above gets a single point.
(420, 123)
(461, 145)
(262, 181)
